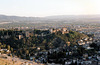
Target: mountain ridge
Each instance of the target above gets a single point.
(50, 19)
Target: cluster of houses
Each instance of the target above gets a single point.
(23, 34)
(85, 42)
(63, 30)
(2, 51)
(5, 50)
(43, 55)
(17, 34)
(85, 59)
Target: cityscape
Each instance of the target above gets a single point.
(70, 45)
(49, 32)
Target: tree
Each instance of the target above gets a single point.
(81, 50)
(24, 40)
(27, 52)
(8, 47)
(44, 41)
(4, 45)
(12, 49)
(0, 43)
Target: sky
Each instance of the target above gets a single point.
(42, 8)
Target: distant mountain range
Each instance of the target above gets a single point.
(51, 19)
(4, 18)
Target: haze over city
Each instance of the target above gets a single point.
(41, 8)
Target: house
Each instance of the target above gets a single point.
(89, 48)
(38, 48)
(90, 57)
(98, 57)
(5, 37)
(4, 50)
(66, 53)
(20, 36)
(64, 30)
(85, 55)
(68, 43)
(70, 53)
(81, 43)
(86, 39)
(90, 39)
(88, 62)
(67, 62)
(74, 60)
(51, 30)
(53, 64)
(32, 58)
(99, 52)
(85, 46)
(98, 63)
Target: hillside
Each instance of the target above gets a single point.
(15, 61)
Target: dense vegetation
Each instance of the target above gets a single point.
(39, 38)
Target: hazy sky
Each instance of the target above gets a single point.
(49, 7)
